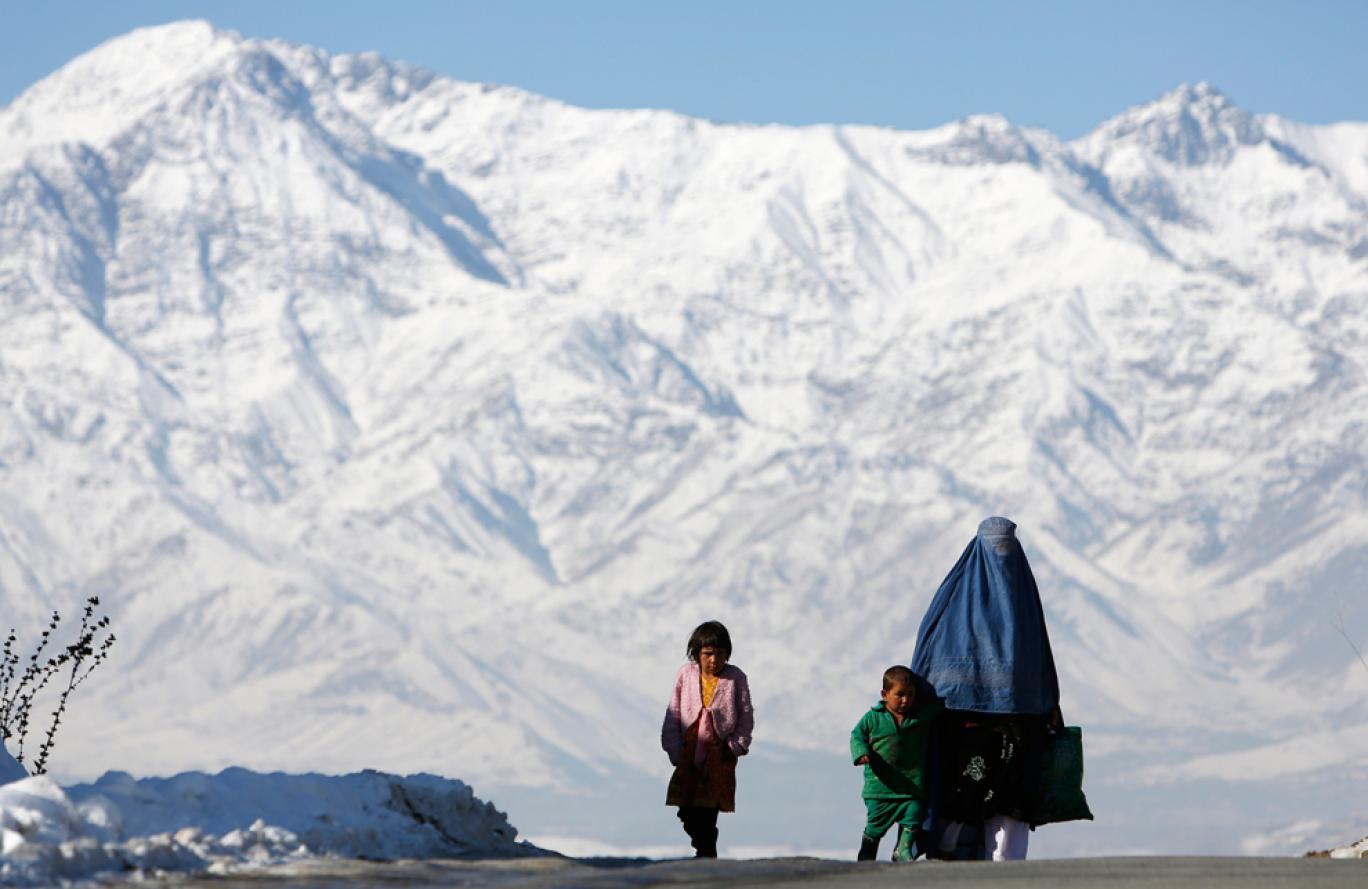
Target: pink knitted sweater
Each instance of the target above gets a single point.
(730, 717)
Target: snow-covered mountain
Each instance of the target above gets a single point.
(411, 424)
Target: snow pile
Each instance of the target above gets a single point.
(1357, 850)
(237, 818)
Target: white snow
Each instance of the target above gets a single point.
(1354, 850)
(10, 768)
(403, 422)
(1302, 754)
(196, 822)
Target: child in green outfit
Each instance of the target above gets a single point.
(891, 742)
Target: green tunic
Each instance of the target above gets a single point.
(897, 753)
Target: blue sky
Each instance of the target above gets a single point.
(1063, 65)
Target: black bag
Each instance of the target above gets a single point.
(1059, 779)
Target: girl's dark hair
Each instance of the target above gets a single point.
(710, 634)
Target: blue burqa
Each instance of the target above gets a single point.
(983, 645)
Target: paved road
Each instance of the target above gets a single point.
(778, 873)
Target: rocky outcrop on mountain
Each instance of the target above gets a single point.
(402, 420)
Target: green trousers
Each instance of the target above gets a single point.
(884, 813)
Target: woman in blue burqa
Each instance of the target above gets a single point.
(984, 651)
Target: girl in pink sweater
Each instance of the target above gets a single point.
(707, 726)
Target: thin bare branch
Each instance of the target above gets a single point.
(1338, 624)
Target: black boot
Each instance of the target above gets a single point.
(869, 849)
(701, 825)
(705, 846)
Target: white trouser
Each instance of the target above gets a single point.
(1005, 839)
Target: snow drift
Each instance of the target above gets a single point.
(237, 818)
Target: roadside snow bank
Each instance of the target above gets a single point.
(1353, 850)
(237, 818)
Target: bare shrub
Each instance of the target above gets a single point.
(19, 689)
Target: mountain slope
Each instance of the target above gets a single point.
(412, 423)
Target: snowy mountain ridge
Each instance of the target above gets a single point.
(404, 421)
